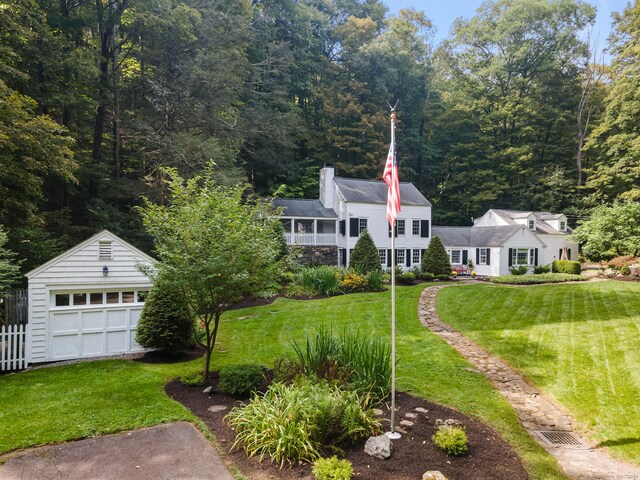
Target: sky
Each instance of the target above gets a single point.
(443, 12)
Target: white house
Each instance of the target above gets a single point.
(501, 239)
(328, 228)
(87, 301)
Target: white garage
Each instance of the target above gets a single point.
(87, 301)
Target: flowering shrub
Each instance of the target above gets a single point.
(352, 282)
(454, 273)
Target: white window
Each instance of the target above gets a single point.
(415, 229)
(415, 256)
(563, 226)
(455, 257)
(532, 224)
(482, 256)
(401, 227)
(104, 251)
(523, 256)
(362, 225)
(400, 256)
(382, 253)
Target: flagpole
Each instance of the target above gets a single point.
(392, 433)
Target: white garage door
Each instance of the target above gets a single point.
(90, 324)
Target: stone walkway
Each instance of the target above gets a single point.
(546, 421)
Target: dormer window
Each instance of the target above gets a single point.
(105, 252)
(563, 226)
(532, 224)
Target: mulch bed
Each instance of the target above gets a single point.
(489, 456)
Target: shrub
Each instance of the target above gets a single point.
(192, 379)
(241, 380)
(451, 439)
(435, 259)
(365, 258)
(375, 281)
(165, 323)
(443, 278)
(619, 262)
(426, 276)
(352, 282)
(625, 270)
(300, 422)
(407, 278)
(540, 269)
(352, 360)
(566, 266)
(521, 270)
(534, 279)
(285, 370)
(332, 469)
(319, 280)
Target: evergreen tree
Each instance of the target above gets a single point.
(165, 323)
(9, 267)
(436, 260)
(365, 258)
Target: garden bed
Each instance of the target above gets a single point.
(489, 456)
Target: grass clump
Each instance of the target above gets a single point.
(320, 280)
(300, 422)
(193, 379)
(535, 279)
(351, 359)
(540, 269)
(452, 439)
(332, 469)
(241, 380)
(521, 270)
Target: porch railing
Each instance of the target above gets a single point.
(312, 239)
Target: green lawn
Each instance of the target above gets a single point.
(62, 403)
(579, 343)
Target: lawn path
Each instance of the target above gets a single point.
(536, 411)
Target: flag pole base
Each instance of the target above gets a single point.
(393, 435)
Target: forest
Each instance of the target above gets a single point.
(514, 109)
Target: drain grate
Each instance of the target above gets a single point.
(561, 438)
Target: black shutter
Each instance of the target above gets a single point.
(343, 227)
(408, 259)
(424, 228)
(389, 229)
(465, 257)
(353, 227)
(569, 254)
(511, 257)
(488, 256)
(536, 257)
(559, 254)
(388, 258)
(477, 256)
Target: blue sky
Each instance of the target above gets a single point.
(443, 12)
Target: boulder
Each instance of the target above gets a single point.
(379, 447)
(433, 475)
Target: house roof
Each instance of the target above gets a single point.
(541, 225)
(373, 191)
(493, 236)
(295, 207)
(103, 235)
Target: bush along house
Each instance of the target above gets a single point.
(502, 239)
(326, 230)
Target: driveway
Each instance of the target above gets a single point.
(175, 451)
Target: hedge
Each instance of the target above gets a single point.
(566, 266)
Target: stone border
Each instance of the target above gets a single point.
(536, 411)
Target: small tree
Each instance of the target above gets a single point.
(214, 247)
(436, 260)
(9, 266)
(165, 323)
(365, 258)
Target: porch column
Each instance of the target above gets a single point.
(315, 231)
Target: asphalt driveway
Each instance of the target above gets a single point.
(175, 451)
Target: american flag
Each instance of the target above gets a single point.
(390, 176)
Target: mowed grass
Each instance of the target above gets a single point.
(75, 401)
(579, 343)
(56, 404)
(427, 366)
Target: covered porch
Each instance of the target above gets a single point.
(310, 231)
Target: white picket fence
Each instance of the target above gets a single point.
(12, 347)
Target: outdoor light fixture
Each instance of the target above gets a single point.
(105, 271)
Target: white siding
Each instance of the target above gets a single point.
(523, 238)
(79, 269)
(554, 245)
